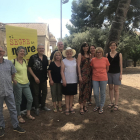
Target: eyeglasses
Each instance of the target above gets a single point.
(41, 48)
(60, 44)
(98, 52)
(1, 51)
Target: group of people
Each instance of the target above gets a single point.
(90, 70)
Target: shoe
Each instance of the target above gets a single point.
(19, 129)
(45, 108)
(37, 111)
(2, 131)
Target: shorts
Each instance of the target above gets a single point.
(114, 78)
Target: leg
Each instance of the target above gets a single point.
(116, 93)
(111, 92)
(10, 102)
(59, 95)
(2, 123)
(67, 102)
(96, 92)
(102, 93)
(43, 87)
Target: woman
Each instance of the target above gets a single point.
(84, 72)
(55, 80)
(114, 74)
(69, 78)
(92, 55)
(21, 84)
(100, 66)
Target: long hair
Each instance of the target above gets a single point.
(54, 56)
(84, 45)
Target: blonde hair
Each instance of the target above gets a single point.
(57, 52)
(99, 49)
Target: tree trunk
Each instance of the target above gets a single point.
(117, 24)
(135, 63)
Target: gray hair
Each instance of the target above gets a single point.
(2, 48)
(40, 45)
(19, 48)
(59, 42)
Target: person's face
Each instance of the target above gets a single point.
(99, 54)
(69, 53)
(41, 49)
(92, 50)
(21, 53)
(113, 46)
(86, 48)
(2, 52)
(60, 46)
(57, 57)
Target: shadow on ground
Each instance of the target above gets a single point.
(131, 70)
(111, 125)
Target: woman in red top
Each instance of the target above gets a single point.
(100, 66)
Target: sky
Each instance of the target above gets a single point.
(34, 11)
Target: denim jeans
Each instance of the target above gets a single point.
(102, 86)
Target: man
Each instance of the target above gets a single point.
(37, 67)
(6, 93)
(60, 48)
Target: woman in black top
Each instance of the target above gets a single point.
(55, 80)
(114, 74)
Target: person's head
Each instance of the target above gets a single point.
(112, 45)
(92, 49)
(99, 52)
(21, 51)
(2, 52)
(40, 49)
(60, 46)
(85, 48)
(57, 56)
(69, 52)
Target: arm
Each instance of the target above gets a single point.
(14, 81)
(62, 74)
(120, 55)
(50, 77)
(106, 55)
(107, 68)
(79, 69)
(32, 73)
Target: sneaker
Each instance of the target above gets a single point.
(2, 131)
(45, 108)
(37, 111)
(19, 129)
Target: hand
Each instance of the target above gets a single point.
(80, 79)
(37, 80)
(120, 77)
(15, 82)
(51, 82)
(64, 83)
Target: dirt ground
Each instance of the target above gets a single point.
(111, 125)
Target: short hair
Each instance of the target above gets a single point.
(99, 49)
(59, 42)
(93, 46)
(19, 48)
(84, 45)
(112, 43)
(2, 48)
(40, 45)
(54, 59)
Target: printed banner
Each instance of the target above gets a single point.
(19, 36)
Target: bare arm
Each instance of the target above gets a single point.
(50, 77)
(32, 73)
(14, 81)
(62, 73)
(121, 67)
(106, 55)
(79, 69)
(107, 68)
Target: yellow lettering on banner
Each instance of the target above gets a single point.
(19, 36)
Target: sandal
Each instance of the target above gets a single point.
(96, 109)
(85, 109)
(30, 117)
(60, 109)
(101, 111)
(110, 105)
(21, 120)
(81, 112)
(72, 111)
(67, 112)
(116, 107)
(55, 110)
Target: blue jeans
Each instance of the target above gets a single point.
(102, 86)
(10, 102)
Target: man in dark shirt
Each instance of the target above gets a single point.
(37, 67)
(60, 48)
